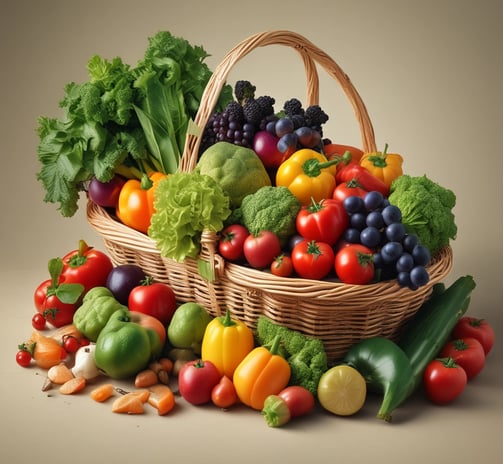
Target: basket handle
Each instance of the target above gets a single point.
(310, 54)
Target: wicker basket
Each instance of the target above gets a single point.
(338, 314)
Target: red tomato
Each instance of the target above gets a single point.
(300, 400)
(282, 266)
(354, 264)
(466, 352)
(86, 266)
(477, 328)
(51, 307)
(347, 189)
(325, 221)
(196, 381)
(155, 299)
(444, 380)
(38, 321)
(23, 358)
(231, 242)
(261, 249)
(224, 393)
(70, 343)
(312, 260)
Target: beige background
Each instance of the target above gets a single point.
(430, 73)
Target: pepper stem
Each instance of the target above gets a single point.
(227, 320)
(313, 166)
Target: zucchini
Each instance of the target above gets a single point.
(396, 369)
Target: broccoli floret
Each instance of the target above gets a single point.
(426, 209)
(305, 355)
(270, 208)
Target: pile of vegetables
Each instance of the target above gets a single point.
(127, 328)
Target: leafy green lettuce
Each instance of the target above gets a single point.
(186, 204)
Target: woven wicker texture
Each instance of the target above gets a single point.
(339, 314)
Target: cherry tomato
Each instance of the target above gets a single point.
(348, 188)
(224, 393)
(38, 321)
(282, 266)
(86, 266)
(196, 381)
(312, 259)
(52, 309)
(231, 242)
(323, 221)
(156, 299)
(23, 358)
(70, 343)
(444, 380)
(261, 249)
(300, 400)
(466, 352)
(477, 328)
(354, 264)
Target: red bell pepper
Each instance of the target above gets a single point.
(347, 170)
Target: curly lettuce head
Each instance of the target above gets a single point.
(186, 204)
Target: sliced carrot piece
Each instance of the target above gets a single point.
(59, 374)
(130, 403)
(162, 398)
(72, 386)
(103, 392)
(143, 394)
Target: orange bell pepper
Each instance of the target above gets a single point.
(136, 201)
(308, 174)
(260, 374)
(383, 165)
(226, 343)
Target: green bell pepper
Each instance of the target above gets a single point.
(123, 347)
(97, 306)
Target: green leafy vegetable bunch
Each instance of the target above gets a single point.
(124, 119)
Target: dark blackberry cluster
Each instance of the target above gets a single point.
(240, 119)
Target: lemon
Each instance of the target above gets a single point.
(342, 390)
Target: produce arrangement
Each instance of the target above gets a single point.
(284, 200)
(120, 325)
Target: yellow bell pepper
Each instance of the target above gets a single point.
(260, 374)
(136, 201)
(308, 174)
(226, 343)
(383, 165)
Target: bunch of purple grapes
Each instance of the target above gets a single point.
(377, 224)
(298, 127)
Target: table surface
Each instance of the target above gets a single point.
(76, 429)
